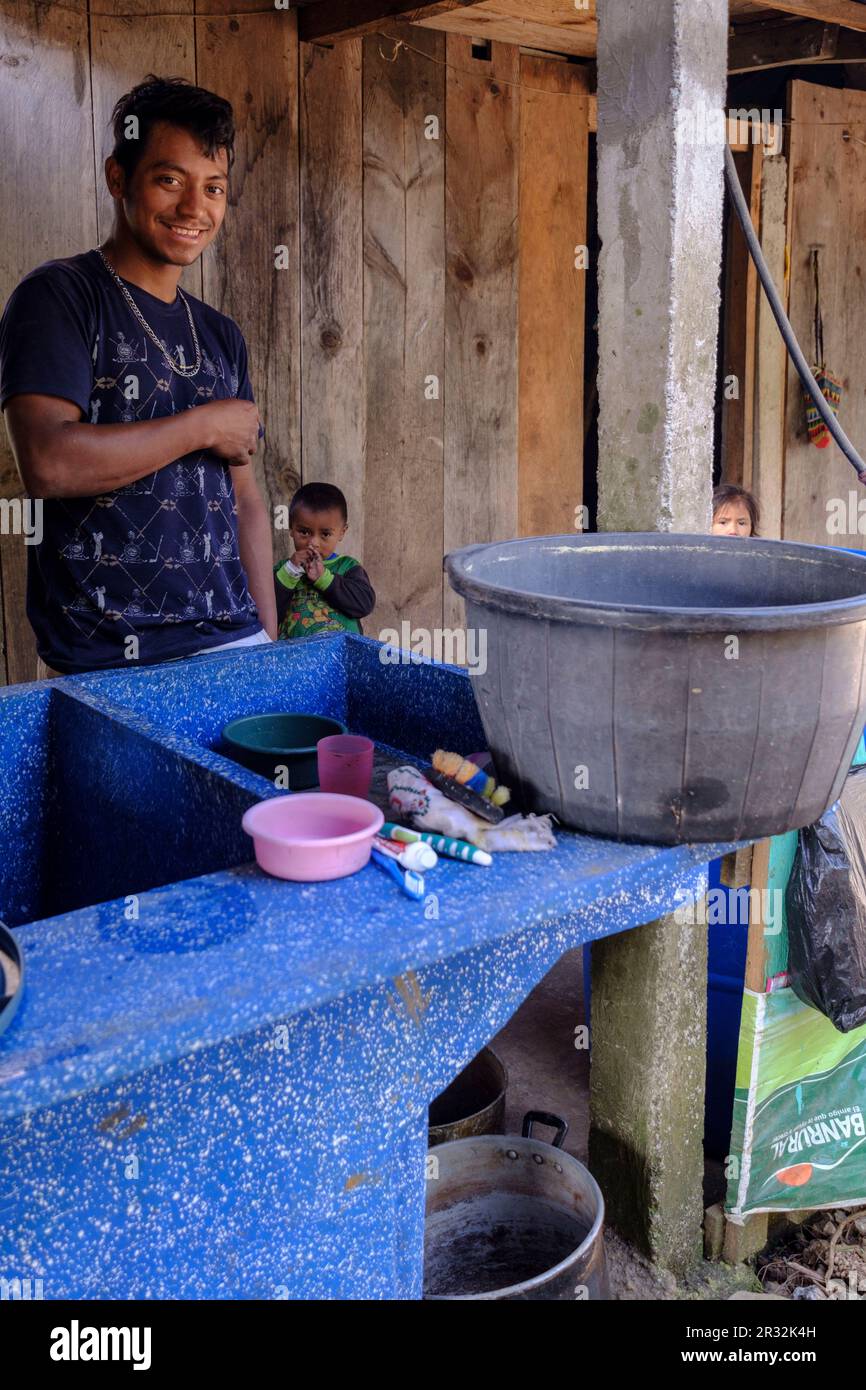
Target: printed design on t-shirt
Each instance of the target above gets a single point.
(126, 350)
(143, 388)
(178, 559)
(108, 542)
(179, 353)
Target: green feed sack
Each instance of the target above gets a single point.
(799, 1133)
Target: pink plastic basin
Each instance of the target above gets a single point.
(312, 836)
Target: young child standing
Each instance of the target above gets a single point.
(735, 511)
(317, 589)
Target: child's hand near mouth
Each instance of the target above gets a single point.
(312, 563)
(304, 557)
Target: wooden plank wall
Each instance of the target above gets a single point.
(45, 115)
(423, 347)
(826, 206)
(404, 230)
(483, 118)
(251, 273)
(554, 141)
(124, 46)
(332, 275)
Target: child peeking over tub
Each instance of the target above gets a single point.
(735, 511)
(317, 589)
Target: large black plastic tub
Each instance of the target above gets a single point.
(669, 688)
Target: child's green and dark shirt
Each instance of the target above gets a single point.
(335, 602)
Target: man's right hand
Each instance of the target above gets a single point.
(61, 454)
(234, 426)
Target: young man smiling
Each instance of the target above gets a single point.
(130, 413)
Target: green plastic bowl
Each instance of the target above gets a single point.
(267, 743)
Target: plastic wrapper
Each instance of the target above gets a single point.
(826, 910)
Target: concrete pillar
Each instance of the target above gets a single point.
(647, 1075)
(661, 90)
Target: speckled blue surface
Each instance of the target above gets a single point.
(225, 1095)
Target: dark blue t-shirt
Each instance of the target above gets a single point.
(157, 559)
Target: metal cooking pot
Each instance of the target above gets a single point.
(513, 1219)
(474, 1103)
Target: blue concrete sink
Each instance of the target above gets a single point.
(217, 1083)
(94, 806)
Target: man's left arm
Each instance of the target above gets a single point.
(255, 540)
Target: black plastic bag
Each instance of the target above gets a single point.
(826, 909)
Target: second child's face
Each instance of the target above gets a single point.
(732, 519)
(321, 531)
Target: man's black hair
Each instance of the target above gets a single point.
(205, 115)
(319, 497)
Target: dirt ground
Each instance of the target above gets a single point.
(547, 1072)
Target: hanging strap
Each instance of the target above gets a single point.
(819, 326)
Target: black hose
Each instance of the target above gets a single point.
(794, 350)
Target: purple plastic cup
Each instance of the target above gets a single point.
(345, 764)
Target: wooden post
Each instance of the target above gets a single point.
(769, 445)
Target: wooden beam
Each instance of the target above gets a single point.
(736, 868)
(756, 947)
(779, 44)
(739, 333)
(769, 441)
(845, 12)
(558, 26)
(550, 26)
(793, 43)
(751, 325)
(340, 19)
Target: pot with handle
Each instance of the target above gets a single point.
(513, 1219)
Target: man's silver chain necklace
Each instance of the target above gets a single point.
(179, 370)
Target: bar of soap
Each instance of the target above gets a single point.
(465, 796)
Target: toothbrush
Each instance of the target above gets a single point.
(415, 856)
(411, 882)
(454, 849)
